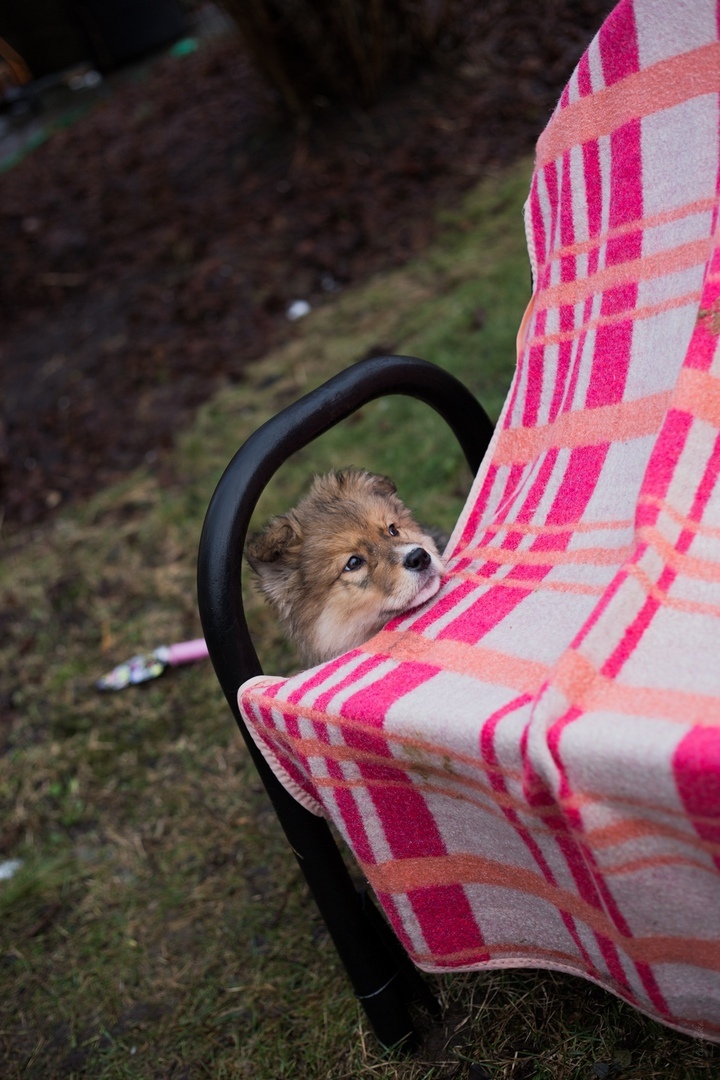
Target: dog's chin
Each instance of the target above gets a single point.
(425, 592)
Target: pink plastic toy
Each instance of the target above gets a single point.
(140, 668)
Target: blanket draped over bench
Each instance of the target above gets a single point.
(527, 769)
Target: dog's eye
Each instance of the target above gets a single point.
(393, 530)
(353, 563)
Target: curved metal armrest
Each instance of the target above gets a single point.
(380, 971)
(220, 556)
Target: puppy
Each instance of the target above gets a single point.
(342, 563)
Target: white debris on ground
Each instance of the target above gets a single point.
(9, 868)
(298, 310)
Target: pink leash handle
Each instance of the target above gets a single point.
(139, 669)
(184, 652)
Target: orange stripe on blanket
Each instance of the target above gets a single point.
(584, 686)
(698, 393)
(653, 221)
(496, 804)
(677, 603)
(660, 86)
(594, 556)
(650, 862)
(572, 588)
(488, 665)
(686, 523)
(525, 528)
(688, 565)
(406, 875)
(633, 315)
(682, 257)
(630, 829)
(585, 427)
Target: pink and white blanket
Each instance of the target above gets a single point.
(527, 769)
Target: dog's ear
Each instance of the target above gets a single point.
(273, 556)
(383, 485)
(274, 548)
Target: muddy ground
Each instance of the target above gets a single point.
(150, 251)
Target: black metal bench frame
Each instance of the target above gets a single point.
(382, 976)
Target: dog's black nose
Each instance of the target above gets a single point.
(417, 559)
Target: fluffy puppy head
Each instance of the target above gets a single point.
(341, 564)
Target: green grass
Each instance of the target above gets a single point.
(159, 926)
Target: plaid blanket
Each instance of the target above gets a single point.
(527, 769)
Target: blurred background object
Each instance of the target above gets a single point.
(13, 69)
(51, 35)
(317, 51)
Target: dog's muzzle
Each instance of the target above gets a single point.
(417, 559)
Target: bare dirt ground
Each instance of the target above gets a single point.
(150, 251)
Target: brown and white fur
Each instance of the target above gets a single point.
(341, 564)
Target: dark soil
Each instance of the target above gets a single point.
(150, 251)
